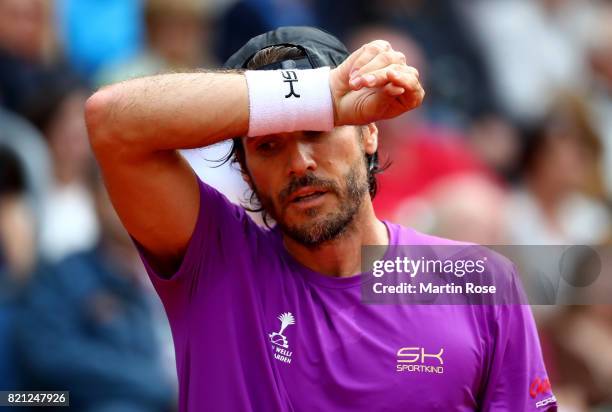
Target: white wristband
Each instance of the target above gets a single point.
(289, 100)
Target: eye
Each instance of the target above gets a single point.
(313, 135)
(267, 146)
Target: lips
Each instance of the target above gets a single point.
(306, 193)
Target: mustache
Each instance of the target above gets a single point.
(296, 183)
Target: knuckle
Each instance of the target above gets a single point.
(384, 45)
(357, 53)
(379, 46)
(373, 48)
(399, 56)
(387, 58)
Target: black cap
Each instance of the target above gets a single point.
(321, 48)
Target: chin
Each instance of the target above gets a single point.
(307, 216)
(302, 220)
(314, 231)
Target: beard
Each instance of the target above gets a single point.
(322, 227)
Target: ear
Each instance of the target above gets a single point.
(370, 136)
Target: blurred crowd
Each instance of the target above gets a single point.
(512, 146)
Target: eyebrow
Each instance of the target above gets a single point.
(252, 141)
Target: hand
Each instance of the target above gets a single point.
(374, 83)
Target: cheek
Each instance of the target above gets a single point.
(337, 159)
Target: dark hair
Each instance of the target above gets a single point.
(272, 55)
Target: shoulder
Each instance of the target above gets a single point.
(404, 235)
(217, 211)
(500, 269)
(224, 232)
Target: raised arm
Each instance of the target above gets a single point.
(135, 128)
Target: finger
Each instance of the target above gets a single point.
(414, 92)
(404, 77)
(395, 73)
(393, 90)
(381, 61)
(411, 70)
(367, 53)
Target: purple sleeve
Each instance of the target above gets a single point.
(221, 227)
(517, 379)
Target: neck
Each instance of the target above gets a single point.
(341, 257)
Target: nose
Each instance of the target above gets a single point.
(301, 158)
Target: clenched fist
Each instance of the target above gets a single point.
(374, 83)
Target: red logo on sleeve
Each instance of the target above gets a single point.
(538, 386)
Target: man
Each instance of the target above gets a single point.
(271, 320)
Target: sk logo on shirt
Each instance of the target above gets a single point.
(280, 344)
(415, 359)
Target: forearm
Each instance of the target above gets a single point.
(170, 111)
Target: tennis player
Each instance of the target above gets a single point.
(271, 319)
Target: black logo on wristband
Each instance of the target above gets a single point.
(290, 76)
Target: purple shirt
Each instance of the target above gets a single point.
(254, 330)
